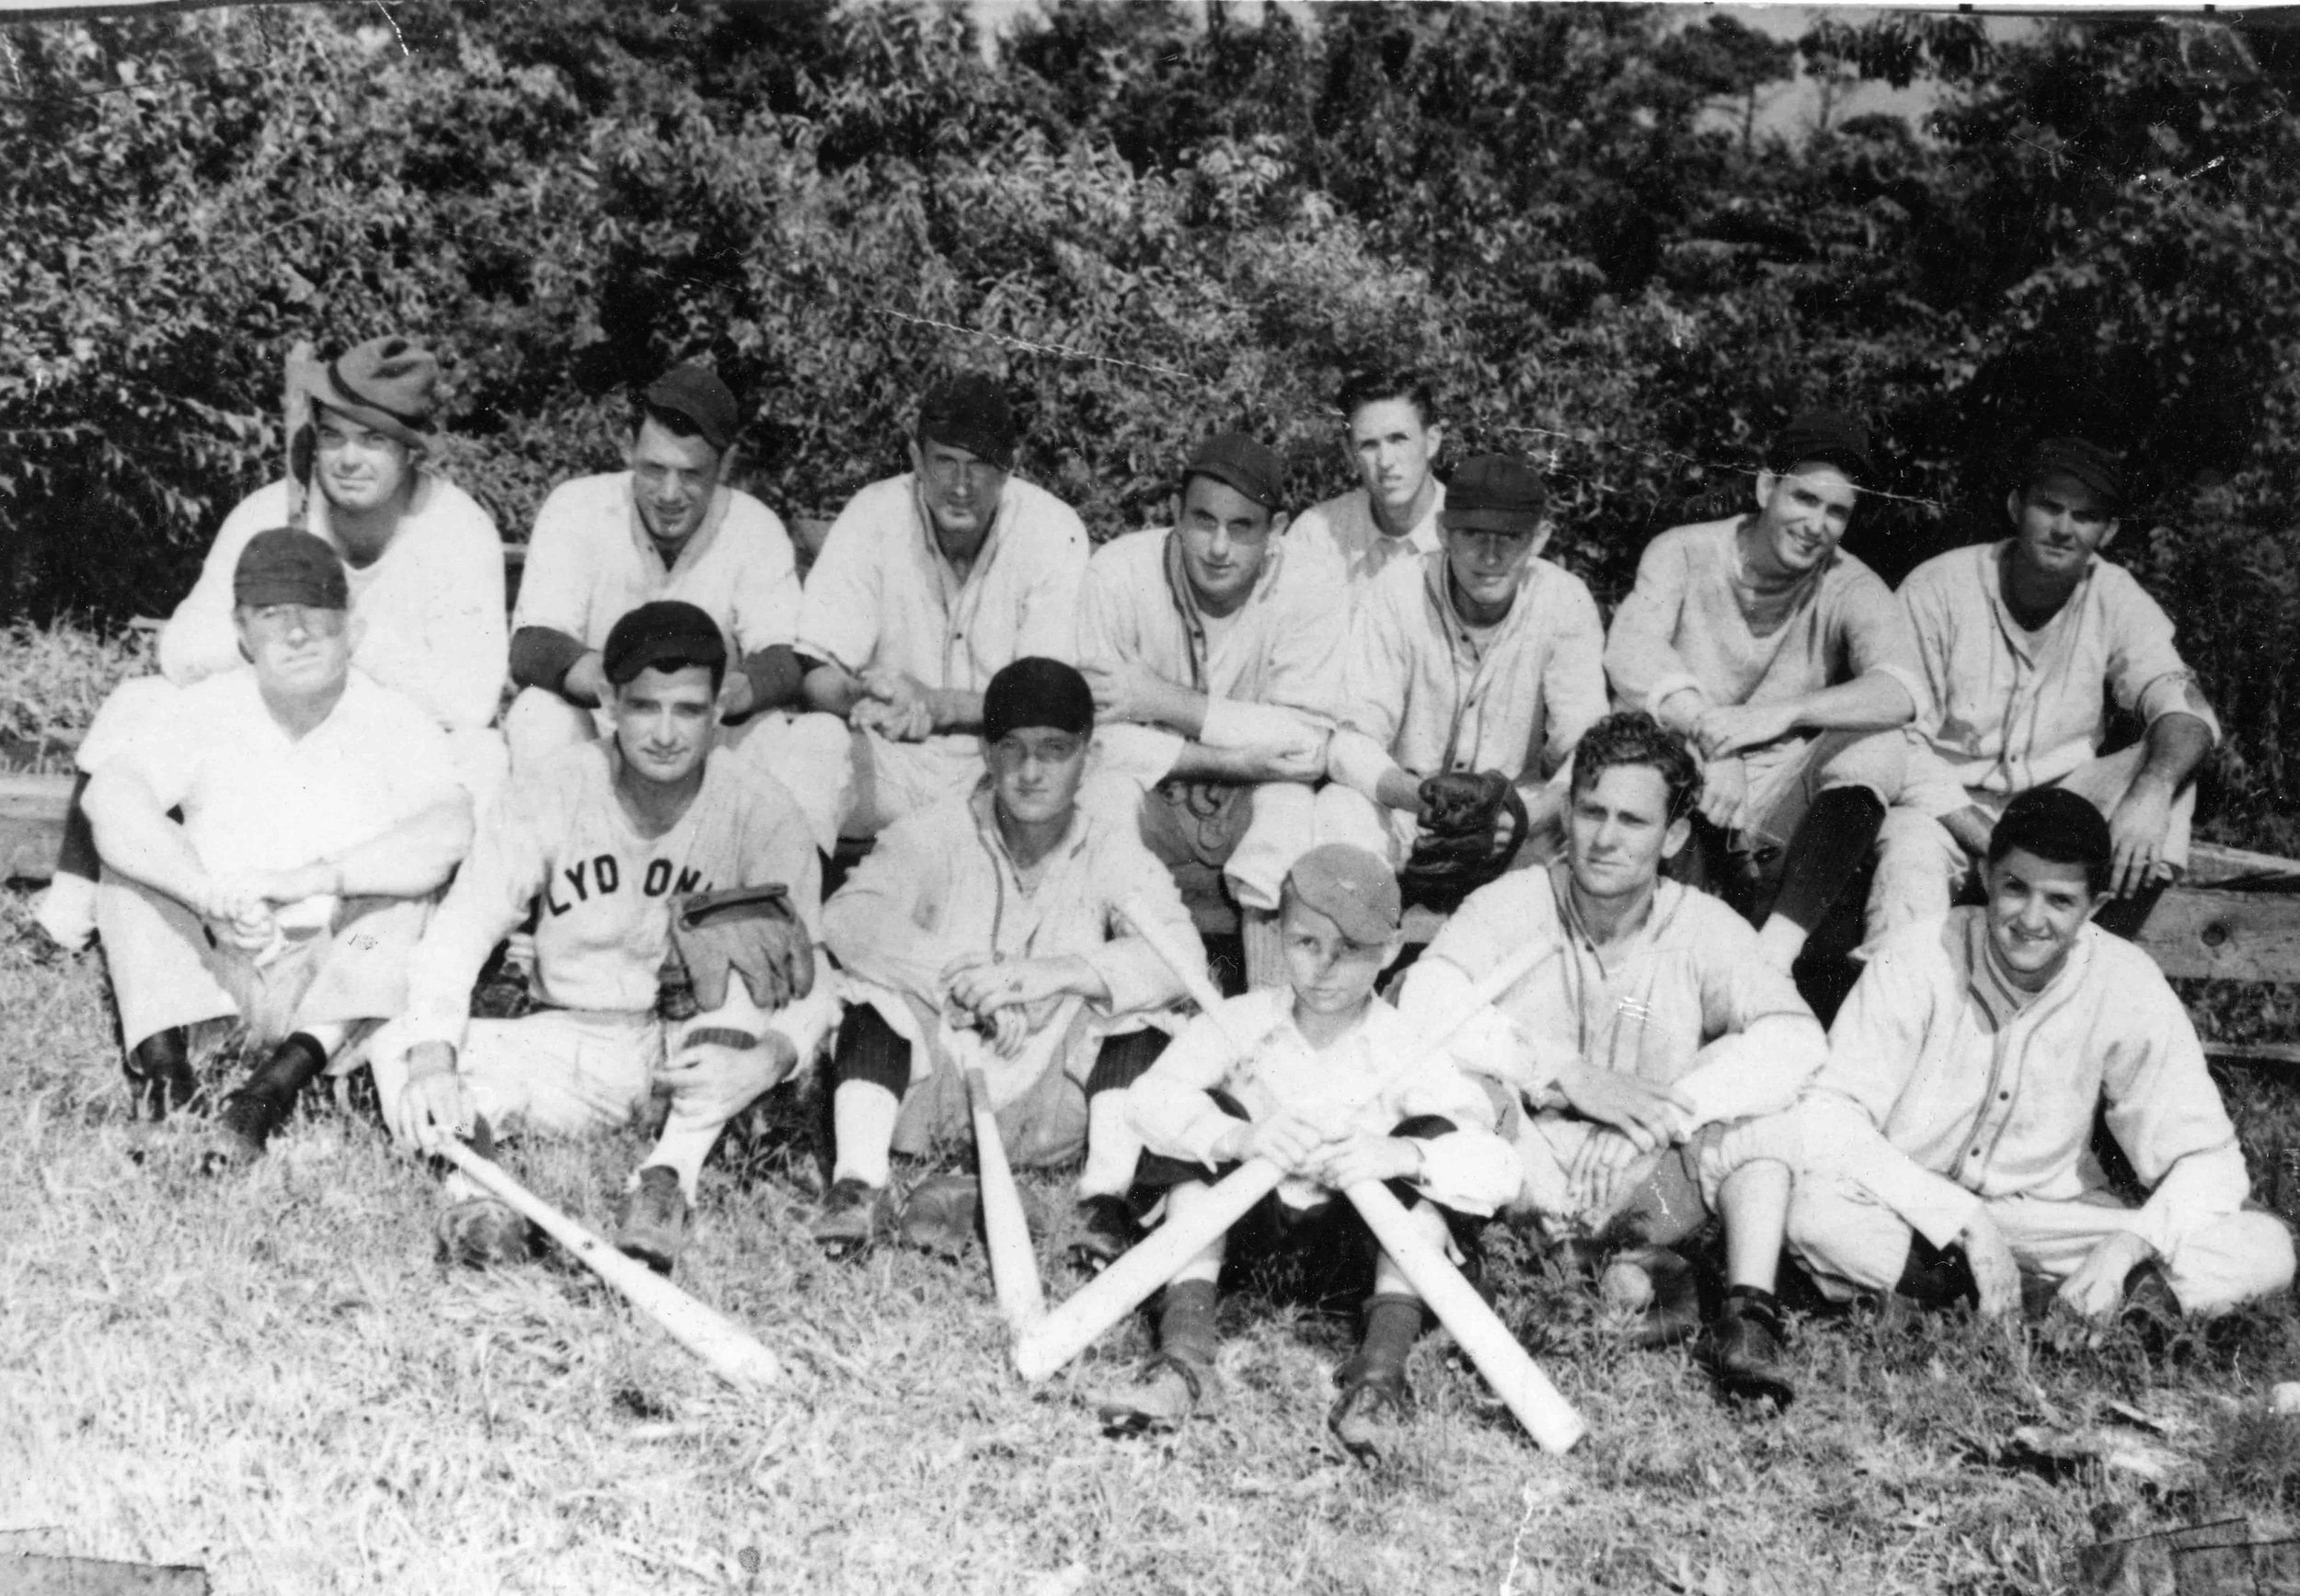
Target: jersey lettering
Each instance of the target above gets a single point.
(606, 873)
(658, 880)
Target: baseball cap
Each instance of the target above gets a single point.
(1036, 691)
(668, 633)
(1350, 887)
(1827, 437)
(697, 392)
(388, 384)
(970, 411)
(283, 566)
(1246, 463)
(2080, 458)
(1495, 493)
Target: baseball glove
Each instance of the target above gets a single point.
(1472, 826)
(750, 931)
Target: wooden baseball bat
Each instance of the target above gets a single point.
(296, 409)
(1005, 1229)
(730, 1352)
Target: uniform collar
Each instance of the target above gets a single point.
(697, 541)
(1439, 589)
(980, 802)
(1185, 597)
(2017, 636)
(923, 522)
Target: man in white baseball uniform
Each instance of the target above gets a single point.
(1472, 673)
(1948, 1140)
(1791, 666)
(425, 569)
(1641, 1061)
(1215, 650)
(985, 930)
(2023, 642)
(927, 584)
(1390, 425)
(321, 812)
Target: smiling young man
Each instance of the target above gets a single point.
(1791, 667)
(320, 813)
(1645, 1063)
(984, 931)
(1216, 650)
(1472, 672)
(2023, 643)
(928, 585)
(1391, 429)
(611, 840)
(1949, 1140)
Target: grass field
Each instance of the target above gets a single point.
(271, 1377)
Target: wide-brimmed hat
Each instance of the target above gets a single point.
(388, 384)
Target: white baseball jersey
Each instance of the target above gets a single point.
(1345, 528)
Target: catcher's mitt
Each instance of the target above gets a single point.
(750, 931)
(1472, 826)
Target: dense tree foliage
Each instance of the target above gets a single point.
(1153, 226)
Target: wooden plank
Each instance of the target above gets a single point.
(31, 824)
(2210, 865)
(2254, 1052)
(2225, 936)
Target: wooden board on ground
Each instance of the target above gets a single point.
(31, 824)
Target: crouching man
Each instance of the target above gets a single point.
(321, 813)
(613, 841)
(1948, 1139)
(1635, 1057)
(984, 931)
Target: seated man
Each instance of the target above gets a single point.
(1309, 1076)
(321, 812)
(1216, 648)
(928, 583)
(666, 527)
(984, 930)
(616, 838)
(2022, 643)
(1949, 1140)
(1633, 1059)
(1389, 423)
(426, 574)
(1789, 665)
(1472, 673)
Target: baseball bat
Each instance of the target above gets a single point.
(296, 409)
(1005, 1229)
(730, 1351)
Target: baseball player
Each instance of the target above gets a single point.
(1639, 1062)
(927, 584)
(2022, 643)
(650, 840)
(321, 811)
(425, 569)
(1390, 425)
(1948, 1140)
(985, 930)
(1318, 1092)
(1215, 659)
(1789, 665)
(1472, 672)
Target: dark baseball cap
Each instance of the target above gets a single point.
(1350, 887)
(968, 410)
(1036, 691)
(664, 635)
(1246, 463)
(1824, 437)
(697, 392)
(2080, 458)
(1495, 493)
(283, 566)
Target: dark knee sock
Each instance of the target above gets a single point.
(294, 1064)
(1123, 1060)
(1833, 838)
(1186, 1321)
(870, 1049)
(1393, 1322)
(76, 855)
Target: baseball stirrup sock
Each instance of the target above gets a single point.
(1834, 836)
(862, 1130)
(1186, 1327)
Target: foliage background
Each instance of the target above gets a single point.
(1561, 211)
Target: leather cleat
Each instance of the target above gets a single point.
(854, 1215)
(249, 1116)
(654, 1220)
(160, 1076)
(1107, 1232)
(1675, 1312)
(938, 1215)
(480, 1232)
(1367, 1417)
(238, 1135)
(1170, 1389)
(1746, 1350)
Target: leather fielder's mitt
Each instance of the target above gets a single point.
(1472, 826)
(749, 931)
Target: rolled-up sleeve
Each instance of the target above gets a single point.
(1877, 638)
(767, 596)
(1573, 675)
(1641, 657)
(838, 618)
(2166, 1114)
(2145, 671)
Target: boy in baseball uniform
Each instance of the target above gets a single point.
(985, 930)
(927, 584)
(321, 812)
(423, 566)
(609, 841)
(1215, 649)
(1472, 672)
(1391, 429)
(1317, 1091)
(2023, 642)
(1640, 1060)
(1791, 667)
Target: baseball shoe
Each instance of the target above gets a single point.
(160, 1076)
(1168, 1389)
(1106, 1231)
(244, 1125)
(855, 1214)
(1369, 1414)
(938, 1215)
(652, 1226)
(1673, 1312)
(481, 1232)
(1745, 1348)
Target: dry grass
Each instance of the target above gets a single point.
(270, 1376)
(53, 677)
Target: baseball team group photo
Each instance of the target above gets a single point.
(907, 907)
